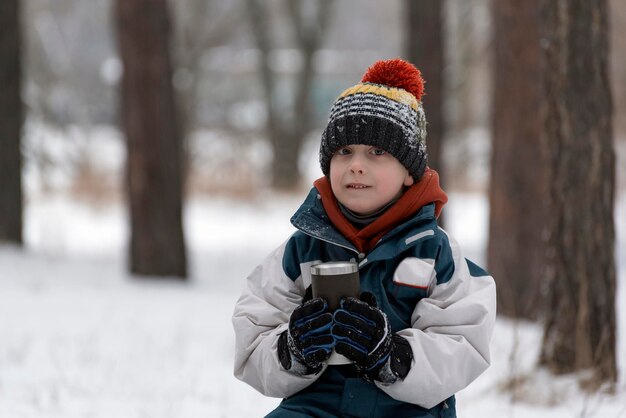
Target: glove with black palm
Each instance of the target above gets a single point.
(308, 342)
(363, 334)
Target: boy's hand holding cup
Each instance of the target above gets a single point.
(308, 337)
(362, 333)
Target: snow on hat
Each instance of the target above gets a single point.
(384, 110)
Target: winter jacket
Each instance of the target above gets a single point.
(443, 304)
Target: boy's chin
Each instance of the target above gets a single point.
(362, 210)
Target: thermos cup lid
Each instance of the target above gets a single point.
(334, 267)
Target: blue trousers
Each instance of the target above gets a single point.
(339, 392)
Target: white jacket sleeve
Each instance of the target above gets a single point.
(261, 314)
(450, 335)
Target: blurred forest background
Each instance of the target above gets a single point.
(72, 70)
(150, 103)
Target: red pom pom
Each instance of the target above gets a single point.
(396, 73)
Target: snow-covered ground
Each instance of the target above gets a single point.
(80, 338)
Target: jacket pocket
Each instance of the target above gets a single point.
(415, 273)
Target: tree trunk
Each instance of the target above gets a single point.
(285, 168)
(518, 193)
(580, 327)
(11, 117)
(287, 128)
(425, 49)
(149, 120)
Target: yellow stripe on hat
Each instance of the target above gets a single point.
(392, 93)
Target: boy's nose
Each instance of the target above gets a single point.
(357, 166)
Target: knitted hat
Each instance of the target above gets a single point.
(384, 110)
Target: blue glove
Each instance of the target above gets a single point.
(363, 334)
(308, 341)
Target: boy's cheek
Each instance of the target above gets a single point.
(334, 175)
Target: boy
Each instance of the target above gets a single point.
(420, 330)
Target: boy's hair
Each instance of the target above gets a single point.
(384, 110)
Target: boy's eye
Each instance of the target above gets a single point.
(344, 151)
(378, 151)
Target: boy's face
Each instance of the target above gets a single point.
(365, 178)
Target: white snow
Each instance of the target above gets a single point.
(79, 337)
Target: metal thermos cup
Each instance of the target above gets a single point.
(334, 280)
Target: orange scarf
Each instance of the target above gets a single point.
(426, 191)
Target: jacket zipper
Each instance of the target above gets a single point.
(354, 250)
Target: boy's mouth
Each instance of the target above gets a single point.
(357, 186)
